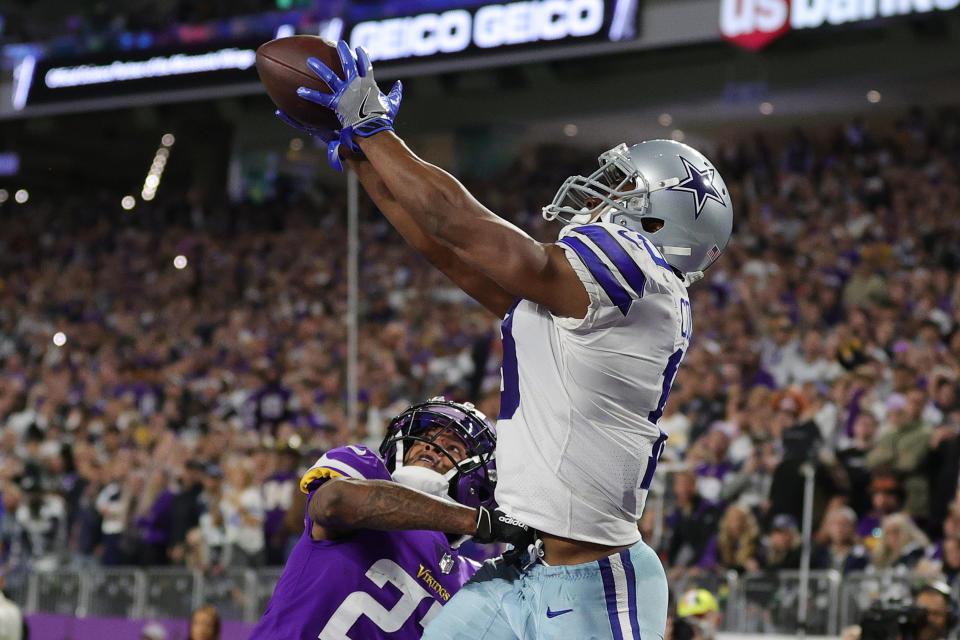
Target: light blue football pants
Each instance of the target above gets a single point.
(620, 597)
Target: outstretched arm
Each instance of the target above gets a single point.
(448, 214)
(435, 202)
(345, 503)
(471, 280)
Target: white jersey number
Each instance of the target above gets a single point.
(360, 603)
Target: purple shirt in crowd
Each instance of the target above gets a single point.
(156, 522)
(277, 497)
(867, 525)
(369, 585)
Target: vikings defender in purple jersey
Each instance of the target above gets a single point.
(366, 567)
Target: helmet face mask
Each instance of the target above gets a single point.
(615, 185)
(470, 481)
(662, 180)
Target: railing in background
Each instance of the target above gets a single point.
(751, 603)
(768, 603)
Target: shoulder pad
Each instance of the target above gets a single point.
(351, 461)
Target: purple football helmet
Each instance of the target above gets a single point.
(472, 480)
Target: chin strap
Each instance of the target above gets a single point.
(692, 276)
(551, 213)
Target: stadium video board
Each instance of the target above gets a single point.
(419, 28)
(105, 75)
(397, 31)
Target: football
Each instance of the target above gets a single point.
(282, 65)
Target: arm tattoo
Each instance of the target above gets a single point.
(387, 506)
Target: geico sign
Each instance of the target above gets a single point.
(755, 23)
(489, 26)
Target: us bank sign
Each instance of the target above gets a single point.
(753, 24)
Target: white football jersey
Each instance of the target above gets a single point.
(577, 433)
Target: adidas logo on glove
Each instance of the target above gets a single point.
(505, 519)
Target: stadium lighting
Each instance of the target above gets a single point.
(21, 196)
(766, 108)
(128, 202)
(678, 135)
(873, 96)
(4, 195)
(180, 262)
(665, 119)
(296, 144)
(59, 338)
(570, 130)
(152, 181)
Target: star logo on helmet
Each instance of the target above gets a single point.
(700, 184)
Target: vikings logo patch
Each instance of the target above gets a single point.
(446, 563)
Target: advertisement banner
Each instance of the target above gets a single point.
(392, 32)
(62, 79)
(475, 28)
(753, 24)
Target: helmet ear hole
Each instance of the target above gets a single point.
(651, 225)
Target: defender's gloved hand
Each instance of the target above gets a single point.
(356, 99)
(330, 137)
(496, 526)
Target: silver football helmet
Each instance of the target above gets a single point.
(660, 181)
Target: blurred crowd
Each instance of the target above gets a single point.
(827, 342)
(173, 420)
(169, 419)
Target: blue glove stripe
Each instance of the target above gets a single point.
(326, 74)
(348, 63)
(325, 135)
(333, 155)
(346, 138)
(364, 66)
(370, 127)
(328, 100)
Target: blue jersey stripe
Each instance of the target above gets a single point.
(631, 592)
(668, 375)
(509, 375)
(610, 592)
(652, 461)
(605, 278)
(626, 265)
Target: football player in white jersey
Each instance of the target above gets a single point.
(594, 328)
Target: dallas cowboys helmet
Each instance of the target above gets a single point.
(472, 480)
(657, 180)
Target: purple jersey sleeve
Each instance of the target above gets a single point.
(351, 461)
